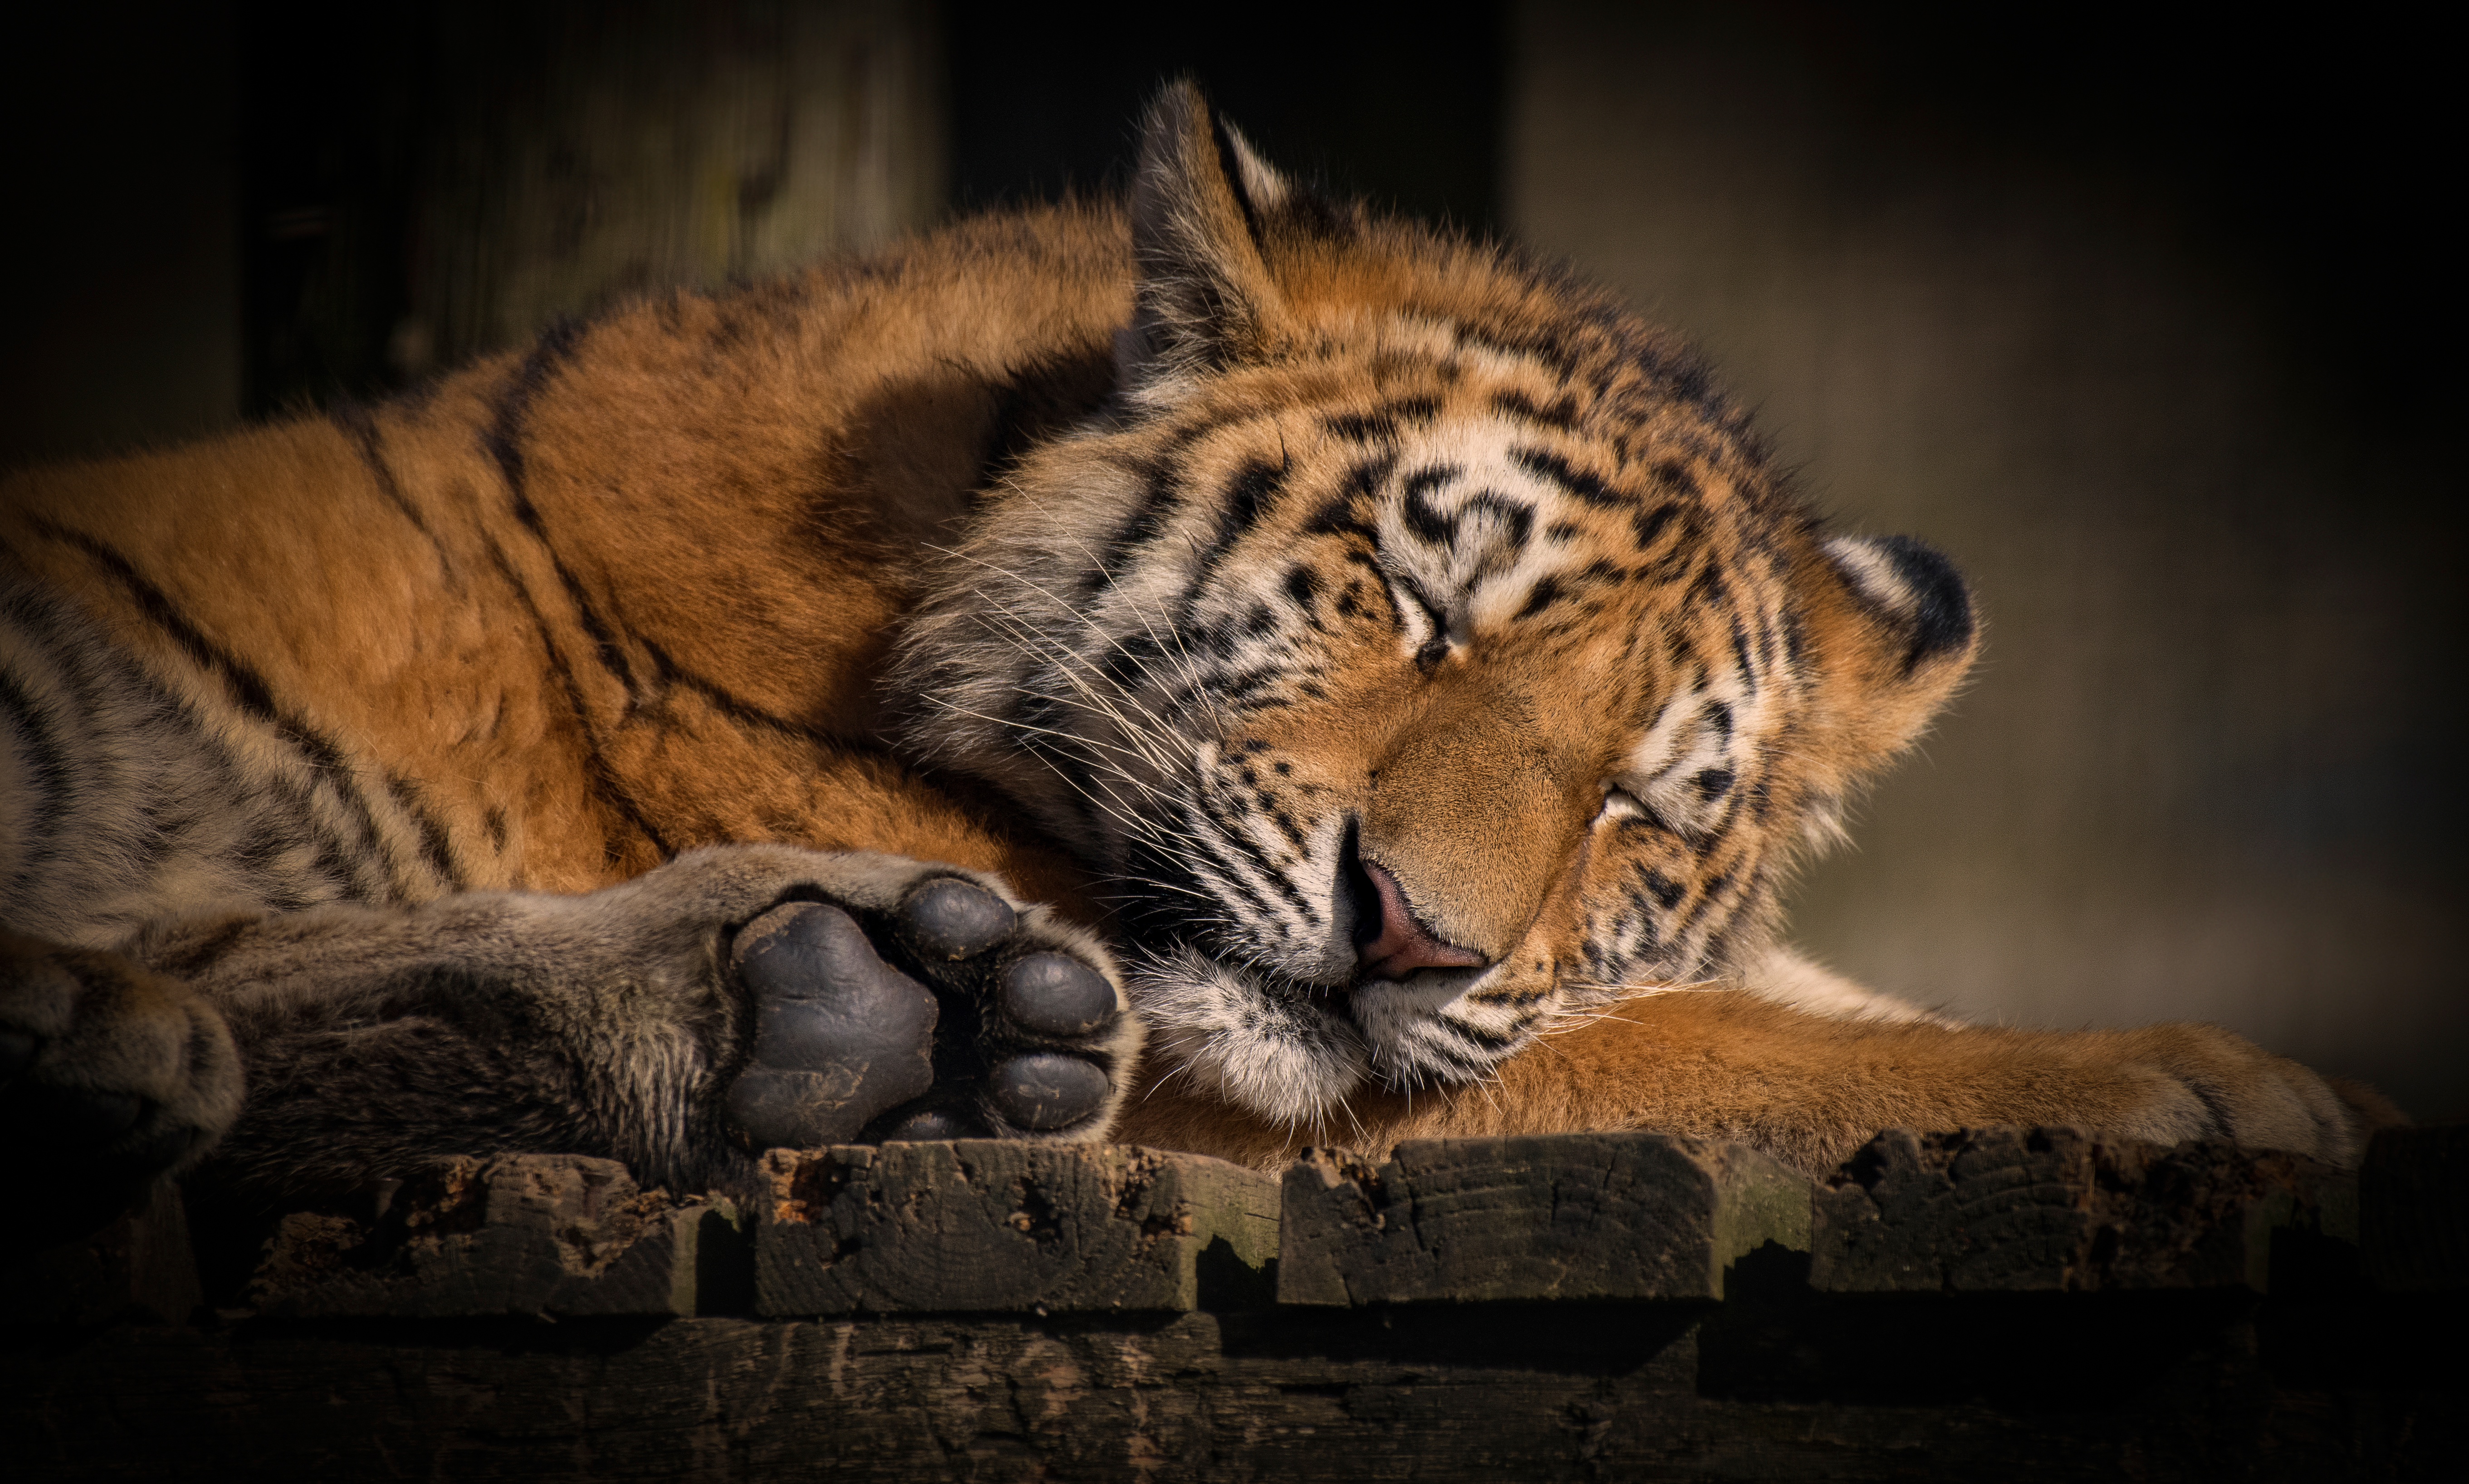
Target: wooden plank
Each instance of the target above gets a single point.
(2035, 1210)
(137, 1268)
(1002, 1225)
(1599, 1216)
(2413, 1210)
(559, 1235)
(1562, 1391)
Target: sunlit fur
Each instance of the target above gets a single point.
(1396, 543)
(1180, 560)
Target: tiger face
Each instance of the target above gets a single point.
(1420, 645)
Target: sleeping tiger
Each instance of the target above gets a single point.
(1225, 669)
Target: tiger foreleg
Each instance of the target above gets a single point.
(1812, 1089)
(732, 1000)
(110, 1075)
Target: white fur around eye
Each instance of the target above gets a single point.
(1689, 799)
(1682, 776)
(1620, 804)
(1420, 624)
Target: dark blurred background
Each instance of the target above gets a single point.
(2150, 322)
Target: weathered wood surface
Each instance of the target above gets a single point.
(1596, 1216)
(2026, 1210)
(986, 1224)
(1570, 1391)
(554, 1235)
(137, 1270)
(2413, 1210)
(420, 1349)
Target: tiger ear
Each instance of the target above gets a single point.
(1891, 624)
(1205, 297)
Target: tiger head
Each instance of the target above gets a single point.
(1418, 643)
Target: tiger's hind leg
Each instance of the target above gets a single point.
(735, 999)
(110, 1075)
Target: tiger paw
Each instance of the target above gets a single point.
(110, 1075)
(949, 1015)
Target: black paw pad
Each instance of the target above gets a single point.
(949, 919)
(1053, 995)
(1042, 1091)
(840, 1036)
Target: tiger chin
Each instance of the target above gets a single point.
(1225, 669)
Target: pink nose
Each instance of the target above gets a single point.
(1403, 944)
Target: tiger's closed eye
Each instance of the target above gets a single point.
(1621, 804)
(1426, 627)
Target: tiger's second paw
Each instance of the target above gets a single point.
(110, 1075)
(2202, 1081)
(951, 1016)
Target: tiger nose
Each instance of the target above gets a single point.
(1390, 942)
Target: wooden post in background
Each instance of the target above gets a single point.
(438, 182)
(585, 152)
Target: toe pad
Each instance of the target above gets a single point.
(1055, 995)
(1043, 1091)
(950, 919)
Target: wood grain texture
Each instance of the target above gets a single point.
(993, 1225)
(2028, 1210)
(1598, 1216)
(560, 1236)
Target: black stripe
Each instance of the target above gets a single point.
(1542, 594)
(1708, 587)
(503, 438)
(53, 774)
(1231, 167)
(1481, 1038)
(1707, 892)
(504, 441)
(246, 686)
(1546, 464)
(604, 778)
(1381, 425)
(1255, 483)
(358, 425)
(1234, 839)
(334, 858)
(1423, 518)
(1649, 523)
(434, 840)
(722, 699)
(1128, 660)
(1158, 492)
(1677, 476)
(1234, 877)
(1561, 414)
